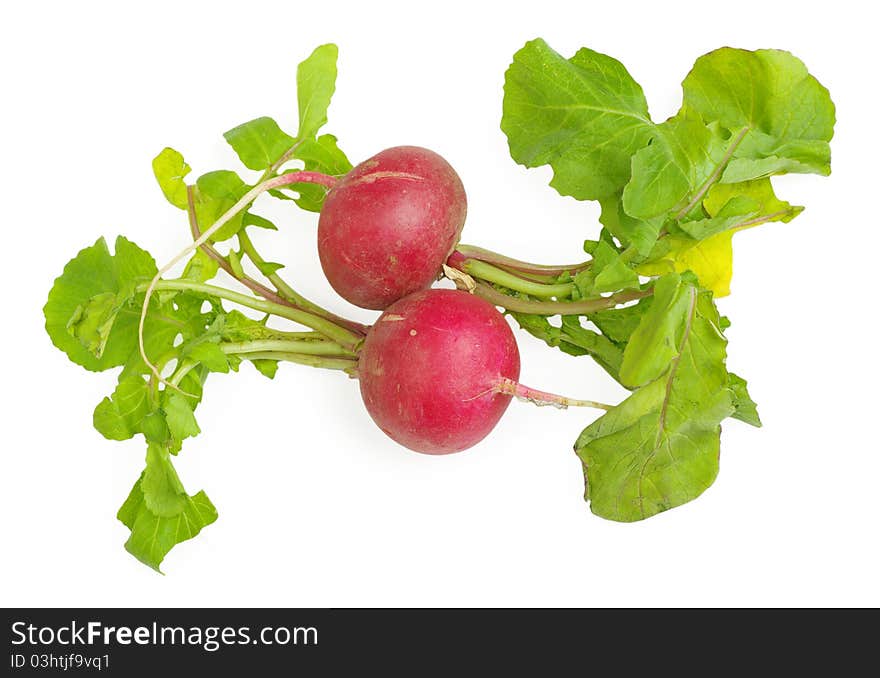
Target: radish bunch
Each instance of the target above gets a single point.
(433, 366)
(438, 368)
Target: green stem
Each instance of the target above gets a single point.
(282, 334)
(290, 294)
(488, 272)
(347, 338)
(473, 252)
(278, 164)
(582, 307)
(209, 250)
(283, 288)
(183, 369)
(331, 363)
(762, 219)
(309, 344)
(305, 347)
(243, 203)
(544, 278)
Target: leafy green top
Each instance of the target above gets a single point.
(745, 116)
(93, 309)
(672, 196)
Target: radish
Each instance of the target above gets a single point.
(432, 367)
(389, 224)
(439, 368)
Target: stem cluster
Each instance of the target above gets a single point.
(335, 339)
(333, 342)
(492, 271)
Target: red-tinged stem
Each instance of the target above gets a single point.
(347, 338)
(243, 202)
(208, 249)
(490, 257)
(291, 297)
(548, 308)
(546, 278)
(298, 303)
(481, 270)
(542, 398)
(302, 177)
(550, 298)
(347, 365)
(288, 154)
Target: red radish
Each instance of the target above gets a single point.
(436, 368)
(388, 225)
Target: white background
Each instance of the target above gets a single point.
(317, 507)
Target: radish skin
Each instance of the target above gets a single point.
(432, 370)
(387, 226)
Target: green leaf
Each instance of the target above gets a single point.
(311, 196)
(210, 355)
(119, 417)
(170, 170)
(655, 342)
(251, 219)
(267, 368)
(318, 155)
(574, 339)
(659, 448)
(259, 143)
(179, 416)
(711, 260)
(164, 494)
(315, 85)
(704, 246)
(618, 324)
(787, 114)
(753, 201)
(745, 408)
(683, 154)
(82, 304)
(235, 263)
(584, 116)
(238, 327)
(608, 273)
(700, 229)
(215, 193)
(737, 206)
(267, 268)
(193, 382)
(744, 168)
(92, 322)
(200, 267)
(155, 429)
(153, 536)
(641, 234)
(606, 347)
(94, 272)
(323, 155)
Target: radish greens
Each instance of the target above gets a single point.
(642, 302)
